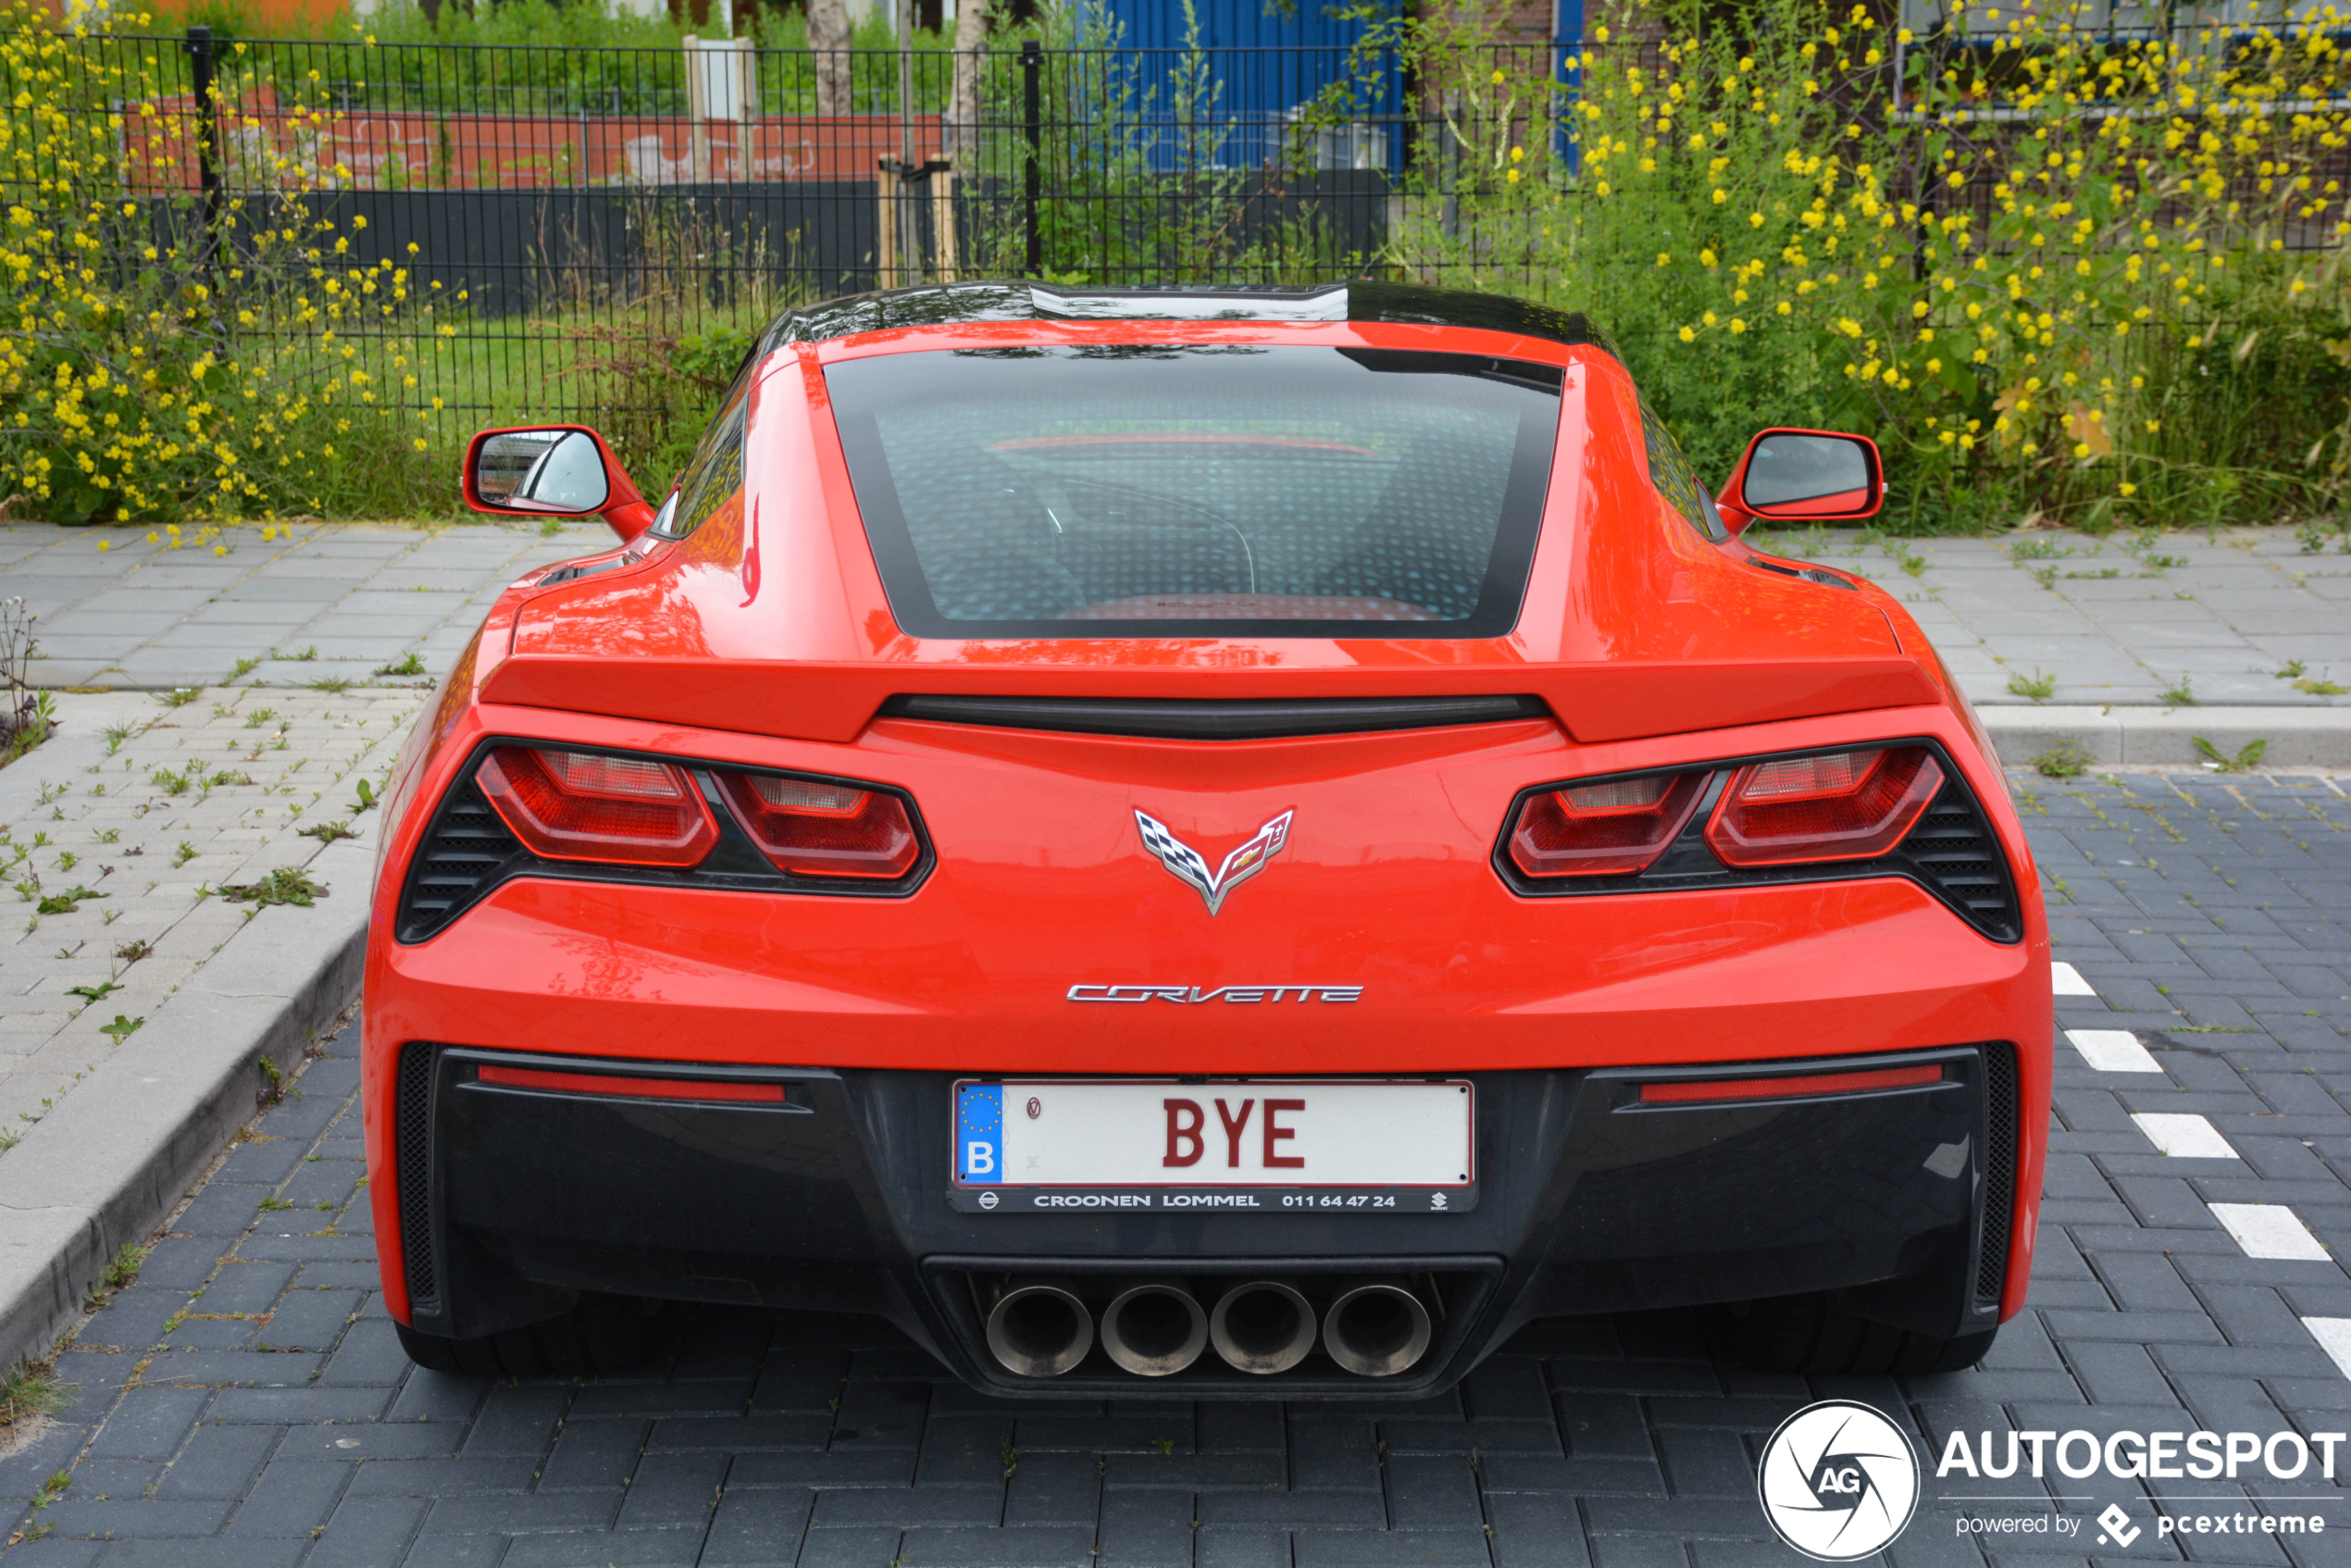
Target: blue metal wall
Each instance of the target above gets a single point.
(1264, 66)
(1231, 24)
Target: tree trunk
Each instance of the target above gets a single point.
(961, 136)
(828, 43)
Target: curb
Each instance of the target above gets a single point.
(118, 1154)
(2298, 737)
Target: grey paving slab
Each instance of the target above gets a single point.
(2242, 604)
(153, 616)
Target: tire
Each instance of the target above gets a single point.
(1809, 1334)
(602, 1337)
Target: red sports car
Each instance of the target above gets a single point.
(1255, 840)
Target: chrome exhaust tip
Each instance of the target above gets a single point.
(1262, 1327)
(1154, 1327)
(1040, 1329)
(1376, 1327)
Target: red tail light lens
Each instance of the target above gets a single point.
(813, 829)
(578, 805)
(633, 1088)
(1846, 805)
(1614, 829)
(1686, 1091)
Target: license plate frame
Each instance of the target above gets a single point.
(998, 1122)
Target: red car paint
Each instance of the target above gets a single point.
(765, 639)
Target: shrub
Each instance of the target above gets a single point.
(2084, 304)
(163, 365)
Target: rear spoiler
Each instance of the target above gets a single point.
(836, 702)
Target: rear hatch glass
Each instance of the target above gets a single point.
(1199, 490)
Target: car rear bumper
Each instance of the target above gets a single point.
(1591, 1200)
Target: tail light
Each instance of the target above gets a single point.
(1618, 827)
(1844, 805)
(1689, 1091)
(811, 830)
(581, 805)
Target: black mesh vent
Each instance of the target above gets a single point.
(462, 855)
(1999, 1169)
(1952, 850)
(414, 1156)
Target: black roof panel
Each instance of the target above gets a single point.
(1357, 300)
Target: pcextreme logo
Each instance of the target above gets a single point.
(1838, 1481)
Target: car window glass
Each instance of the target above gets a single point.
(715, 471)
(1207, 491)
(1676, 481)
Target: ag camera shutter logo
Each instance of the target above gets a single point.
(1838, 1481)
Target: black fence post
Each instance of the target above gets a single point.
(1032, 62)
(199, 48)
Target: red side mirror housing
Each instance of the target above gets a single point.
(552, 471)
(1805, 476)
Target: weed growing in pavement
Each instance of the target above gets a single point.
(2248, 757)
(31, 1390)
(131, 952)
(173, 783)
(328, 833)
(412, 665)
(123, 1270)
(106, 835)
(2319, 686)
(67, 902)
(122, 1028)
(304, 657)
(2038, 550)
(2039, 686)
(331, 684)
(2067, 759)
(245, 668)
(287, 884)
(181, 697)
(2293, 669)
(27, 717)
(95, 993)
(551, 527)
(259, 717)
(117, 734)
(183, 854)
(2180, 696)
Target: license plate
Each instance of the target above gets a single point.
(1254, 1146)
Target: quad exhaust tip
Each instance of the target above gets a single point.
(1040, 1329)
(1154, 1328)
(1262, 1327)
(1375, 1327)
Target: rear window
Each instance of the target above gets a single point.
(1199, 492)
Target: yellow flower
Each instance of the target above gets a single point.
(1501, 76)
(2129, 489)
(104, 545)
(1737, 325)
(221, 550)
(1688, 336)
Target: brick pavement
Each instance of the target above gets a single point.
(246, 1403)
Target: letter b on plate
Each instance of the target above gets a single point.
(979, 1133)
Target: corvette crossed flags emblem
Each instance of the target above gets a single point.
(1190, 867)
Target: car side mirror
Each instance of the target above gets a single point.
(1805, 476)
(552, 470)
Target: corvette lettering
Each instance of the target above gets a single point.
(1192, 995)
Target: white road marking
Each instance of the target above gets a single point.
(2066, 981)
(2334, 1334)
(2184, 1137)
(2112, 1051)
(2269, 1230)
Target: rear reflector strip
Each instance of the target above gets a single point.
(1788, 1088)
(631, 1088)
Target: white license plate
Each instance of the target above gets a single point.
(1255, 1145)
